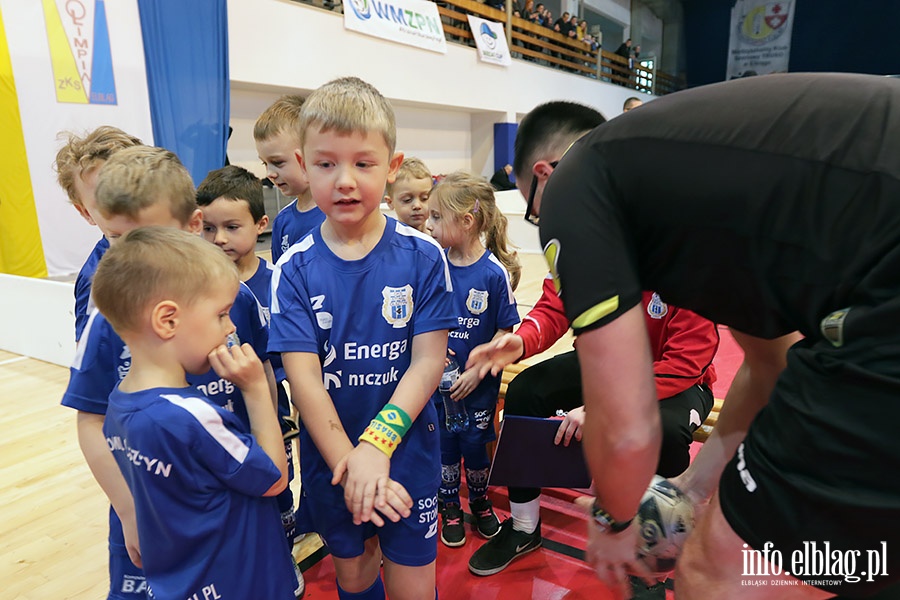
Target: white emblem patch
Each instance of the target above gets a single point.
(657, 309)
(397, 307)
(477, 302)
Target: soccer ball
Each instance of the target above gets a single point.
(665, 519)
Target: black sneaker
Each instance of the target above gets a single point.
(504, 548)
(485, 520)
(640, 590)
(453, 532)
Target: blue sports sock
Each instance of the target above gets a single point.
(373, 592)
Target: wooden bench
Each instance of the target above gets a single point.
(509, 373)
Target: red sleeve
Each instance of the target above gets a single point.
(684, 345)
(545, 323)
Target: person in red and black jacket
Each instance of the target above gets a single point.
(683, 346)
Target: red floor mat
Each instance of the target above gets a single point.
(551, 573)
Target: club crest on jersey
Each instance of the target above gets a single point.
(285, 244)
(477, 302)
(656, 308)
(397, 307)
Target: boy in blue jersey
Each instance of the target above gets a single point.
(202, 480)
(231, 199)
(360, 312)
(408, 195)
(278, 143)
(77, 164)
(144, 186)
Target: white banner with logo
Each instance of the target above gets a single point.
(412, 22)
(77, 64)
(760, 37)
(490, 39)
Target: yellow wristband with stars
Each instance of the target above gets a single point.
(387, 429)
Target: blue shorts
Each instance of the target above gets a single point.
(126, 581)
(481, 424)
(411, 542)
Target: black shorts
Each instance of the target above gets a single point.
(818, 474)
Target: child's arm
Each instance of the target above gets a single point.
(323, 424)
(366, 468)
(271, 382)
(106, 471)
(471, 377)
(242, 367)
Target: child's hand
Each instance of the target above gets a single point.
(364, 474)
(571, 426)
(239, 365)
(465, 385)
(495, 355)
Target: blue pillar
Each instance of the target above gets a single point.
(504, 144)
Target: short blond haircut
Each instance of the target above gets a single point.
(461, 193)
(137, 178)
(411, 168)
(349, 105)
(80, 154)
(281, 115)
(153, 264)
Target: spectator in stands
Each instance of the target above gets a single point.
(631, 103)
(582, 29)
(536, 16)
(562, 24)
(547, 18)
(624, 49)
(572, 31)
(498, 4)
(591, 42)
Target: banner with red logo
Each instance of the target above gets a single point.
(760, 37)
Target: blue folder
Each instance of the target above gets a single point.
(527, 457)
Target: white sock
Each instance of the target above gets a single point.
(525, 515)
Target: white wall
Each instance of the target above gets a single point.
(37, 318)
(278, 46)
(615, 10)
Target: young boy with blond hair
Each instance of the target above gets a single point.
(361, 308)
(231, 199)
(408, 195)
(137, 187)
(76, 165)
(277, 137)
(203, 484)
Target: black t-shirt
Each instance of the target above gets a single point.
(763, 204)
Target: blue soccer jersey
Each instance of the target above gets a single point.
(260, 283)
(290, 226)
(102, 360)
(83, 304)
(483, 302)
(198, 478)
(360, 318)
(261, 286)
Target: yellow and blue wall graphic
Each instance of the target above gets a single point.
(66, 67)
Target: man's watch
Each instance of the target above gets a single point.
(606, 522)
